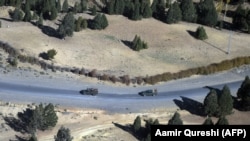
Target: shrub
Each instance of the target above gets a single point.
(138, 44)
(63, 134)
(51, 53)
(99, 22)
(201, 33)
(13, 61)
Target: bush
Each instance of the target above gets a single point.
(99, 22)
(51, 53)
(13, 61)
(201, 33)
(63, 134)
(138, 44)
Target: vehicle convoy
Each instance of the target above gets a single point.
(89, 91)
(151, 92)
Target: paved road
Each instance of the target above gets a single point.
(120, 102)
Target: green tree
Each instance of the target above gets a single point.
(27, 17)
(208, 121)
(65, 6)
(63, 134)
(225, 101)
(146, 9)
(16, 15)
(136, 11)
(40, 21)
(175, 120)
(0, 24)
(33, 138)
(99, 22)
(119, 7)
(201, 33)
(51, 53)
(58, 6)
(66, 28)
(158, 9)
(188, 11)
(84, 5)
(241, 19)
(53, 15)
(243, 94)
(138, 44)
(207, 13)
(174, 14)
(77, 8)
(211, 104)
(137, 124)
(93, 10)
(84, 24)
(43, 117)
(222, 121)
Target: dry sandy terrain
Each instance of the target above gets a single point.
(171, 47)
(84, 126)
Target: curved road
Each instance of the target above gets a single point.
(112, 102)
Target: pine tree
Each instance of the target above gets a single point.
(188, 11)
(77, 8)
(243, 94)
(53, 15)
(16, 15)
(137, 124)
(65, 6)
(63, 134)
(136, 11)
(27, 17)
(78, 23)
(66, 28)
(93, 10)
(222, 121)
(208, 121)
(119, 7)
(99, 22)
(175, 120)
(207, 13)
(110, 7)
(40, 21)
(225, 101)
(58, 6)
(239, 18)
(174, 14)
(211, 104)
(201, 33)
(147, 11)
(84, 5)
(158, 9)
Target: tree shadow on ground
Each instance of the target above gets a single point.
(127, 43)
(16, 124)
(128, 128)
(6, 19)
(192, 33)
(44, 55)
(47, 30)
(192, 106)
(20, 124)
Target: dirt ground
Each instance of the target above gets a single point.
(94, 125)
(171, 47)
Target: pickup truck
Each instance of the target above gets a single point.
(89, 91)
(151, 92)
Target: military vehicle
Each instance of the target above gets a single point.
(151, 92)
(89, 91)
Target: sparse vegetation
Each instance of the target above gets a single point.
(138, 44)
(99, 22)
(201, 33)
(63, 134)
